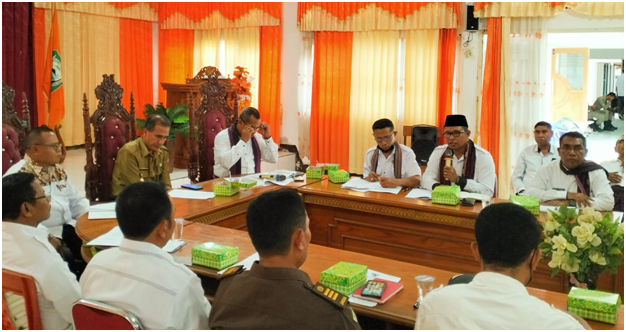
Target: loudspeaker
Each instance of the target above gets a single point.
(424, 140)
(471, 22)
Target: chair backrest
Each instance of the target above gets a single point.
(213, 115)
(14, 128)
(113, 127)
(94, 315)
(15, 285)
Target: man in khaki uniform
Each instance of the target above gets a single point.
(601, 111)
(275, 294)
(146, 158)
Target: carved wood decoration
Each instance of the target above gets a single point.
(213, 96)
(10, 117)
(109, 95)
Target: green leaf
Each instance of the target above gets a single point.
(181, 119)
(141, 123)
(554, 272)
(615, 251)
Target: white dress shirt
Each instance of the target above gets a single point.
(67, 205)
(26, 250)
(492, 301)
(529, 162)
(146, 281)
(551, 183)
(386, 165)
(226, 156)
(484, 181)
(614, 166)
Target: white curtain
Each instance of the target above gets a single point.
(242, 48)
(305, 90)
(206, 48)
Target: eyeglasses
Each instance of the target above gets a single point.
(455, 133)
(48, 197)
(55, 146)
(386, 138)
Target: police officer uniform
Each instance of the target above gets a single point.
(135, 163)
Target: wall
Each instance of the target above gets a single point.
(290, 58)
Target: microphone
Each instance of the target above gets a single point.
(448, 158)
(277, 177)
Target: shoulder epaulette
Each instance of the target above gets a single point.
(330, 294)
(231, 271)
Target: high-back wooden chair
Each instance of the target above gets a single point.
(94, 315)
(113, 127)
(19, 295)
(14, 128)
(212, 115)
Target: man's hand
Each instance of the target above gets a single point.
(388, 182)
(581, 199)
(614, 177)
(372, 177)
(246, 133)
(556, 202)
(450, 173)
(56, 243)
(265, 130)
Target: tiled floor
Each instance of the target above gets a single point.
(601, 146)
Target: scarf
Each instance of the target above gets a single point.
(233, 135)
(44, 175)
(582, 175)
(469, 163)
(397, 160)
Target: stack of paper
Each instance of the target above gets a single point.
(247, 263)
(419, 193)
(113, 238)
(102, 211)
(190, 194)
(358, 184)
(265, 182)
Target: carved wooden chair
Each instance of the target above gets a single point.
(113, 127)
(14, 128)
(213, 115)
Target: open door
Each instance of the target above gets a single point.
(569, 83)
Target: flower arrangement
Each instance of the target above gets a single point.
(242, 85)
(583, 245)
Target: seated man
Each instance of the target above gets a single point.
(43, 152)
(601, 111)
(534, 156)
(275, 294)
(144, 159)
(572, 180)
(237, 153)
(391, 163)
(472, 167)
(615, 168)
(507, 240)
(140, 276)
(27, 249)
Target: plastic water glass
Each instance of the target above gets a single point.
(178, 229)
(486, 201)
(424, 285)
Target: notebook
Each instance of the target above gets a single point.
(392, 289)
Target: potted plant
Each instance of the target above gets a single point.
(178, 118)
(583, 245)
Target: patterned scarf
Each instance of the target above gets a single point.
(469, 163)
(233, 135)
(397, 160)
(44, 175)
(582, 175)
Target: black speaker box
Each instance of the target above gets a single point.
(424, 140)
(471, 23)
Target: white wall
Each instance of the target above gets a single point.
(290, 57)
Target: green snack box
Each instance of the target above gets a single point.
(225, 188)
(244, 183)
(329, 167)
(214, 255)
(338, 176)
(314, 172)
(530, 203)
(594, 305)
(448, 195)
(344, 277)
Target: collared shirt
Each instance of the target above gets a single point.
(226, 156)
(484, 181)
(492, 301)
(26, 250)
(386, 165)
(276, 299)
(551, 183)
(135, 163)
(146, 281)
(66, 204)
(529, 162)
(601, 104)
(614, 166)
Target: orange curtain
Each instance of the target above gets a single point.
(136, 63)
(39, 50)
(330, 104)
(175, 57)
(480, 5)
(197, 11)
(490, 107)
(269, 79)
(445, 81)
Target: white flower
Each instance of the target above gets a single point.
(551, 225)
(557, 259)
(560, 244)
(571, 269)
(589, 215)
(547, 239)
(584, 234)
(597, 258)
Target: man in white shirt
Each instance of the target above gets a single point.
(472, 167)
(534, 156)
(239, 149)
(507, 239)
(43, 152)
(389, 162)
(140, 276)
(572, 180)
(615, 168)
(27, 249)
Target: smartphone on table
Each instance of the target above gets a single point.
(191, 186)
(374, 289)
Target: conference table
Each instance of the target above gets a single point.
(397, 313)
